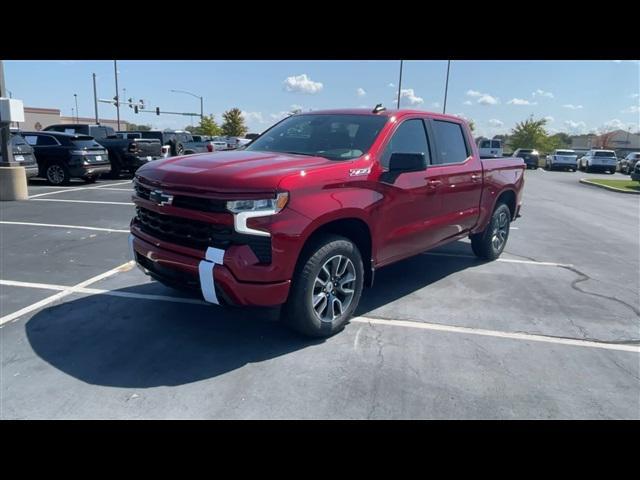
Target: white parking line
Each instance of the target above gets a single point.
(505, 260)
(82, 288)
(35, 306)
(498, 334)
(79, 227)
(121, 189)
(80, 201)
(75, 189)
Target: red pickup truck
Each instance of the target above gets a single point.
(306, 213)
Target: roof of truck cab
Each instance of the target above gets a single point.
(385, 113)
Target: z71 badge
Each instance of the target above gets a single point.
(356, 172)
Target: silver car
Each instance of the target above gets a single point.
(599, 160)
(562, 159)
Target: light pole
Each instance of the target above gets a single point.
(75, 96)
(95, 99)
(446, 88)
(115, 70)
(193, 95)
(400, 85)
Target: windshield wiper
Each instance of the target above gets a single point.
(302, 153)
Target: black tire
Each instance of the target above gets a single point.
(90, 179)
(482, 243)
(57, 174)
(299, 313)
(177, 149)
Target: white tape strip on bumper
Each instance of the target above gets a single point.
(213, 257)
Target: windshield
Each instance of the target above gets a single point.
(336, 137)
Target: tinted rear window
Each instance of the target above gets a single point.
(485, 144)
(496, 144)
(604, 154)
(449, 142)
(85, 142)
(18, 140)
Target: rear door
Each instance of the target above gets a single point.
(456, 177)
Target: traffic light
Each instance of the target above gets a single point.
(135, 108)
(157, 110)
(142, 104)
(131, 103)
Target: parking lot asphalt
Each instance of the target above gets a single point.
(550, 330)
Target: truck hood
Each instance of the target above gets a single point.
(227, 172)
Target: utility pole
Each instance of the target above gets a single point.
(95, 99)
(115, 69)
(446, 88)
(400, 85)
(75, 95)
(193, 95)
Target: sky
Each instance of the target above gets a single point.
(575, 96)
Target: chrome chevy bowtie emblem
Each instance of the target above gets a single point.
(160, 197)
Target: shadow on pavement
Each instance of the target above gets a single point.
(136, 343)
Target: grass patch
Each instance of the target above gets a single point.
(631, 185)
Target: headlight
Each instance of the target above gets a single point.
(261, 205)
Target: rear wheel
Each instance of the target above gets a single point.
(57, 174)
(326, 287)
(490, 243)
(90, 179)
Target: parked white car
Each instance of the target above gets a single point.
(599, 160)
(562, 159)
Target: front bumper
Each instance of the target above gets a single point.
(181, 270)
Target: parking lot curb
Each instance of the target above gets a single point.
(607, 187)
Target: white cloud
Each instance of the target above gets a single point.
(467, 102)
(483, 98)
(461, 115)
(542, 93)
(295, 106)
(632, 109)
(614, 124)
(253, 116)
(361, 92)
(634, 95)
(302, 84)
(494, 122)
(575, 127)
(549, 118)
(391, 85)
(488, 100)
(279, 115)
(572, 107)
(410, 96)
(521, 101)
(436, 105)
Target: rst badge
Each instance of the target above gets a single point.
(161, 198)
(356, 172)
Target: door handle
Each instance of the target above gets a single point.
(434, 183)
(475, 177)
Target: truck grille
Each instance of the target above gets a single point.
(199, 235)
(190, 203)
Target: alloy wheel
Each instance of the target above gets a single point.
(333, 288)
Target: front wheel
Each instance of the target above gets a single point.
(490, 243)
(326, 287)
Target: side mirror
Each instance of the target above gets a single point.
(407, 162)
(403, 163)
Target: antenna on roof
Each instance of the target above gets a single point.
(378, 108)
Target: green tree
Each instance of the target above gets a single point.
(208, 126)
(233, 125)
(472, 125)
(529, 134)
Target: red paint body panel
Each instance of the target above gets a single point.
(419, 211)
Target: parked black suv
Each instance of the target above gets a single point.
(175, 140)
(23, 154)
(125, 154)
(62, 156)
(530, 156)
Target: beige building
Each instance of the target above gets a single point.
(39, 118)
(621, 141)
